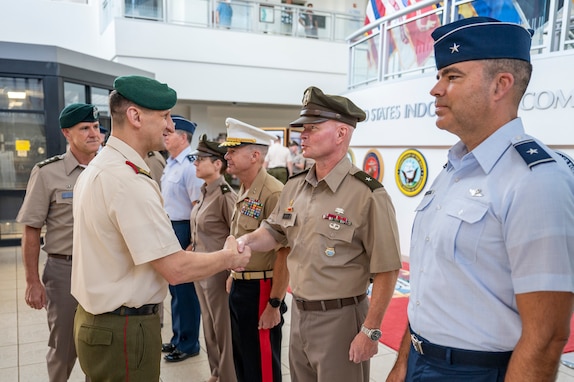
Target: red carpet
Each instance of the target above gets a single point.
(395, 320)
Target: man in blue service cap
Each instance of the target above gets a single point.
(491, 258)
(181, 189)
(124, 246)
(48, 201)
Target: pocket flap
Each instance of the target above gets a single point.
(95, 336)
(467, 211)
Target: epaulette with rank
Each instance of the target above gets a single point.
(189, 157)
(532, 153)
(368, 180)
(225, 188)
(150, 154)
(299, 173)
(50, 160)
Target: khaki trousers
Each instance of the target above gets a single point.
(320, 341)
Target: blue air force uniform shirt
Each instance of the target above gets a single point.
(493, 225)
(180, 186)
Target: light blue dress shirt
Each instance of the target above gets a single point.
(489, 228)
(180, 186)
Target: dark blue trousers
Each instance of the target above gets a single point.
(185, 310)
(426, 369)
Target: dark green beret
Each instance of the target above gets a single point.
(207, 148)
(76, 113)
(146, 92)
(319, 107)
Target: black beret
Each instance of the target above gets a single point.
(76, 113)
(207, 148)
(183, 124)
(319, 107)
(146, 92)
(480, 38)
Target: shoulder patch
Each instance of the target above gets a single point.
(532, 153)
(300, 173)
(50, 160)
(225, 189)
(569, 161)
(368, 180)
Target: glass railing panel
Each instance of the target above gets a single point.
(144, 9)
(189, 12)
(365, 59)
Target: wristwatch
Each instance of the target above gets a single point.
(274, 302)
(373, 334)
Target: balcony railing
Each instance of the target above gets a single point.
(248, 16)
(400, 44)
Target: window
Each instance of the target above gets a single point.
(22, 133)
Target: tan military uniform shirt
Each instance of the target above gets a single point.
(251, 208)
(119, 227)
(48, 200)
(211, 217)
(156, 163)
(339, 230)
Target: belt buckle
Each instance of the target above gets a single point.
(417, 344)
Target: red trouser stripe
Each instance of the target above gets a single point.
(264, 335)
(126, 349)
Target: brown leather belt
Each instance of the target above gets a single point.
(325, 305)
(143, 310)
(61, 257)
(252, 275)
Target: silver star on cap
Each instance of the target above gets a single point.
(532, 151)
(454, 48)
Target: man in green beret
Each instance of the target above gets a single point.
(125, 248)
(48, 201)
(340, 224)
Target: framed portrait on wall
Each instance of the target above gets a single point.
(281, 132)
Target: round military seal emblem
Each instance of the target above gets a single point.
(373, 165)
(411, 172)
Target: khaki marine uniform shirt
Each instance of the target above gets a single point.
(251, 208)
(48, 200)
(120, 226)
(339, 230)
(156, 164)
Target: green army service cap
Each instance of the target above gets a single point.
(146, 92)
(76, 113)
(209, 148)
(319, 107)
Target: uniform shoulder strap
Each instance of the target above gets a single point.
(138, 170)
(50, 160)
(299, 173)
(532, 153)
(225, 189)
(368, 180)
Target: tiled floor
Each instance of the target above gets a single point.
(24, 334)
